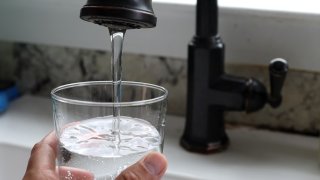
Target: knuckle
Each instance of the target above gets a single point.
(129, 175)
(36, 148)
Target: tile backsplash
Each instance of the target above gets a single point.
(39, 68)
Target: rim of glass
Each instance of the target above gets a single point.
(108, 104)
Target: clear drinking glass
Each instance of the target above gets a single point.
(85, 126)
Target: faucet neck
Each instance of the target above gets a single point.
(207, 18)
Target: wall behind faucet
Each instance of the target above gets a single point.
(39, 68)
(253, 35)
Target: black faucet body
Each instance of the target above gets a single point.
(211, 91)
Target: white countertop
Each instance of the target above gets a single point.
(253, 154)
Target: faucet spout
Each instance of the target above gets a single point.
(120, 14)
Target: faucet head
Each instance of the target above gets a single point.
(120, 14)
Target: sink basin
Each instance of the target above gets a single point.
(14, 160)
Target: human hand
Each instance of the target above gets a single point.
(42, 165)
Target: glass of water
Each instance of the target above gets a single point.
(94, 138)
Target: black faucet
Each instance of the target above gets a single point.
(211, 91)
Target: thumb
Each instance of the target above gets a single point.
(151, 167)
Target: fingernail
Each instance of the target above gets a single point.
(153, 164)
